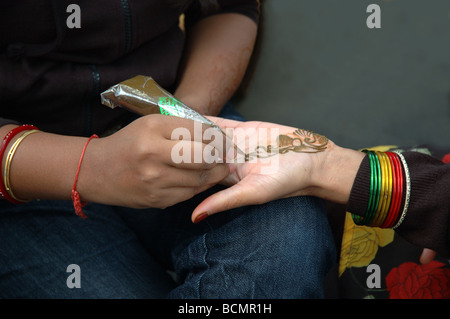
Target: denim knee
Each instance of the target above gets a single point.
(282, 249)
(308, 251)
(299, 247)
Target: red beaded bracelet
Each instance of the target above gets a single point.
(6, 140)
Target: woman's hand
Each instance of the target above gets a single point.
(282, 162)
(134, 166)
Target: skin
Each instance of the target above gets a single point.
(142, 176)
(327, 171)
(45, 164)
(299, 141)
(218, 51)
(321, 169)
(216, 58)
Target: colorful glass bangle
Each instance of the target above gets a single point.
(402, 186)
(377, 187)
(398, 195)
(383, 189)
(375, 184)
(380, 206)
(408, 190)
(388, 202)
(374, 189)
(393, 208)
(391, 186)
(387, 195)
(378, 184)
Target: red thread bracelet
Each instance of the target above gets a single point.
(8, 137)
(77, 203)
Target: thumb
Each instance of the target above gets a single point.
(229, 198)
(427, 256)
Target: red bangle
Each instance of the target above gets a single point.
(399, 193)
(395, 191)
(77, 203)
(3, 147)
(401, 189)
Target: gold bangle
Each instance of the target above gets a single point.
(386, 190)
(8, 161)
(387, 196)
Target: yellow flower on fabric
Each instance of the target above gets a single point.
(382, 148)
(360, 244)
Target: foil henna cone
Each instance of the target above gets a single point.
(142, 95)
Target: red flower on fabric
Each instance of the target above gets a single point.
(446, 158)
(417, 281)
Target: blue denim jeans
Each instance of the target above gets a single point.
(282, 249)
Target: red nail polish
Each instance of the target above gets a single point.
(200, 217)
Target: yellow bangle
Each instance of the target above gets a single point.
(8, 161)
(386, 190)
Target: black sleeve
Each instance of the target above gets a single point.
(4, 121)
(196, 11)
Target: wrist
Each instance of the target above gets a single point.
(13, 135)
(91, 183)
(44, 166)
(333, 178)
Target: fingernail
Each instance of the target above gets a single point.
(200, 217)
(232, 167)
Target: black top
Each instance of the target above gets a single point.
(52, 75)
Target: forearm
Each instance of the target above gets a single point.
(44, 165)
(218, 51)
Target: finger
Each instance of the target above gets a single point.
(190, 130)
(170, 125)
(193, 155)
(229, 198)
(427, 256)
(224, 123)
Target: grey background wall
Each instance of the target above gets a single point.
(321, 68)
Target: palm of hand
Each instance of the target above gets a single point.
(278, 164)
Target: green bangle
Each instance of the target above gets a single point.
(376, 175)
(383, 188)
(373, 192)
